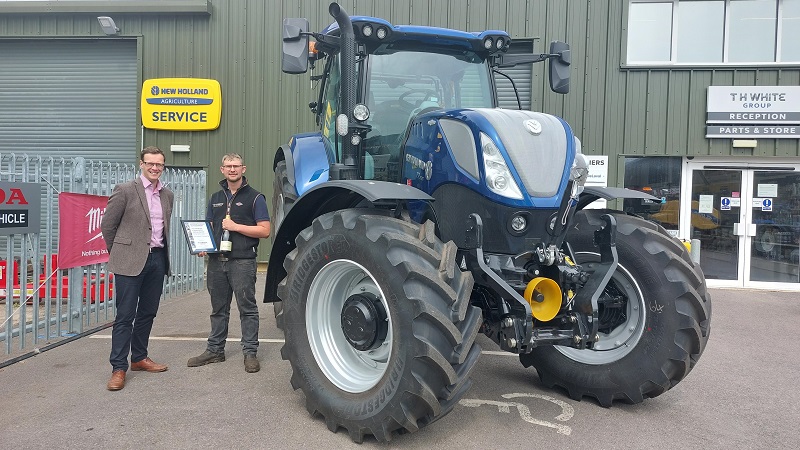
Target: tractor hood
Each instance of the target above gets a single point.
(520, 158)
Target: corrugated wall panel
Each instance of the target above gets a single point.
(594, 118)
(657, 105)
(676, 124)
(635, 112)
(576, 27)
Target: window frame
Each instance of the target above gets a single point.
(625, 64)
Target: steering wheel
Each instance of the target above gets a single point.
(427, 92)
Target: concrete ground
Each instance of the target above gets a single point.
(742, 394)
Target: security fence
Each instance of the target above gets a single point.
(41, 303)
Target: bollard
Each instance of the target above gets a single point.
(695, 253)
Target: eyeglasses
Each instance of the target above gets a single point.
(150, 165)
(232, 167)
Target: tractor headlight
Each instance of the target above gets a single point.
(361, 112)
(498, 177)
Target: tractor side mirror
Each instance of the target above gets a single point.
(295, 46)
(559, 67)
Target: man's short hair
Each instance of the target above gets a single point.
(231, 157)
(151, 150)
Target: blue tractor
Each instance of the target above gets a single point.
(419, 214)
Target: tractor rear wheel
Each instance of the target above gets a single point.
(378, 326)
(650, 341)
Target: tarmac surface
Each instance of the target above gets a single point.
(742, 394)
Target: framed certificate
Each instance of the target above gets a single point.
(199, 236)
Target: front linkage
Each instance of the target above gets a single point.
(509, 320)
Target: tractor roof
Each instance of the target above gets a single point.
(424, 35)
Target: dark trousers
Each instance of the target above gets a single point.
(137, 304)
(224, 279)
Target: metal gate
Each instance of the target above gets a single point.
(41, 303)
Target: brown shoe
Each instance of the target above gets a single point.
(251, 364)
(148, 365)
(117, 380)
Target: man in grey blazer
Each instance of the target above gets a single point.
(136, 229)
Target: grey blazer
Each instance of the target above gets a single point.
(126, 227)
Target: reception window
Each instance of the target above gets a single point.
(666, 32)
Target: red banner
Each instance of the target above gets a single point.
(80, 241)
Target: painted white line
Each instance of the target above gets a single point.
(269, 341)
(178, 338)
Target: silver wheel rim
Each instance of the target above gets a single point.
(622, 339)
(349, 369)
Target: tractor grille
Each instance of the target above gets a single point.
(539, 159)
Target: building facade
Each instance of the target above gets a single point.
(696, 102)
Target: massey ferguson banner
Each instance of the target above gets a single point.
(80, 241)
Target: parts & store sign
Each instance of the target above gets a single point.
(20, 205)
(182, 104)
(753, 112)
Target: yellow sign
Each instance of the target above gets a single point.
(187, 104)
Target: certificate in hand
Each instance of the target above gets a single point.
(199, 236)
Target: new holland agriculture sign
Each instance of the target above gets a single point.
(185, 104)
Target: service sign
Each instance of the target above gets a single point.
(20, 206)
(181, 104)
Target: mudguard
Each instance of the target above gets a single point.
(592, 193)
(324, 198)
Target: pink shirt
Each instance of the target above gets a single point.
(153, 195)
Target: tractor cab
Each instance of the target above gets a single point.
(401, 72)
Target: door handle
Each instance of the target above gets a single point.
(737, 229)
(751, 230)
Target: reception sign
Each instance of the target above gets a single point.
(753, 112)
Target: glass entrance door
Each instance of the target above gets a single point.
(775, 219)
(714, 227)
(747, 221)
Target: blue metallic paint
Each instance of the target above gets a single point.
(310, 161)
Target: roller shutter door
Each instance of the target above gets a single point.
(521, 75)
(69, 98)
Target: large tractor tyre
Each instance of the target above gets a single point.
(654, 339)
(283, 197)
(379, 330)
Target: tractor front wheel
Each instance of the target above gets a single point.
(654, 322)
